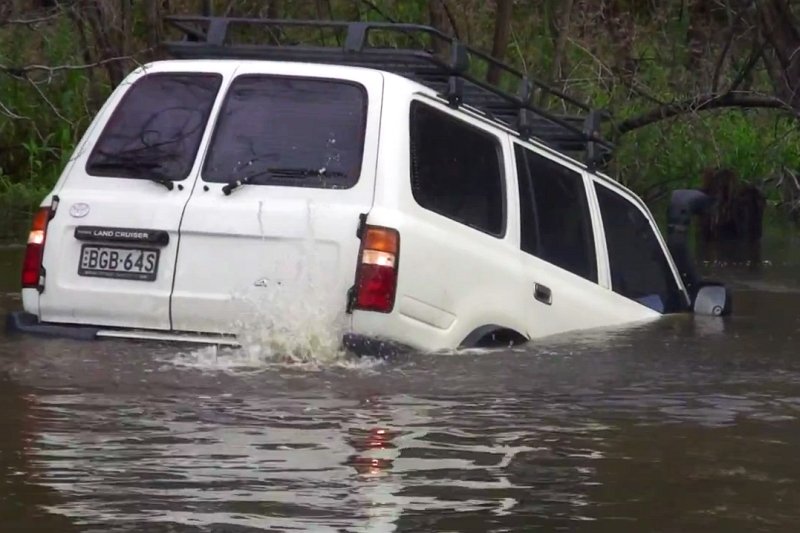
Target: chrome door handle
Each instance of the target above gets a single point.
(543, 293)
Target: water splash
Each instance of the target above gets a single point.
(298, 321)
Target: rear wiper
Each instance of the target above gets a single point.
(280, 172)
(296, 172)
(229, 187)
(148, 166)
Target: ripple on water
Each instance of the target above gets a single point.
(680, 425)
(318, 462)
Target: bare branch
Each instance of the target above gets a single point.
(50, 104)
(22, 72)
(721, 59)
(779, 27)
(502, 29)
(701, 102)
(11, 114)
(379, 11)
(8, 112)
(561, 40)
(33, 21)
(451, 19)
(631, 83)
(755, 55)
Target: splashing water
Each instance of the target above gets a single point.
(296, 322)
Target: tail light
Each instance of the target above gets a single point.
(376, 277)
(32, 264)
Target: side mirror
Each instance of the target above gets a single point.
(713, 300)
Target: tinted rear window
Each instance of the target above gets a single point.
(289, 131)
(156, 128)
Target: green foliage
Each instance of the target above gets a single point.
(17, 204)
(52, 112)
(655, 160)
(674, 154)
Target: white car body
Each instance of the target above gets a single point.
(455, 285)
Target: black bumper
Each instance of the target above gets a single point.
(26, 323)
(22, 322)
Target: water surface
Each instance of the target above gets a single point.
(687, 424)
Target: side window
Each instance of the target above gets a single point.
(554, 214)
(639, 268)
(456, 170)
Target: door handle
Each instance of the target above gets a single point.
(543, 293)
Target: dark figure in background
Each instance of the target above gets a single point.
(731, 231)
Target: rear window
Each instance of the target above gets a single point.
(156, 128)
(289, 131)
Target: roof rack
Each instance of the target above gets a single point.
(437, 61)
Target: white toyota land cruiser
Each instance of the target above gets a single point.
(428, 208)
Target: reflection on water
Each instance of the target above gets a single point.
(687, 424)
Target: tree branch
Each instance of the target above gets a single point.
(33, 21)
(779, 27)
(11, 114)
(631, 83)
(561, 40)
(50, 104)
(21, 72)
(723, 55)
(755, 55)
(701, 102)
(502, 28)
(379, 11)
(451, 19)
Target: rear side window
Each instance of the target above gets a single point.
(554, 214)
(156, 129)
(289, 131)
(639, 268)
(455, 170)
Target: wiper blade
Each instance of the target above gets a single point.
(283, 173)
(280, 172)
(163, 181)
(148, 166)
(232, 185)
(297, 172)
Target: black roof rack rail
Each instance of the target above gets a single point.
(443, 66)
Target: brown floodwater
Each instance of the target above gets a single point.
(686, 424)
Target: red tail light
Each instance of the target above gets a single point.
(376, 278)
(32, 264)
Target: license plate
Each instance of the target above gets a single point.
(115, 262)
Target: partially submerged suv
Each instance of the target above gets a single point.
(389, 187)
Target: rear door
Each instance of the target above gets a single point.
(270, 231)
(110, 250)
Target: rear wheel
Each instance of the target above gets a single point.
(493, 336)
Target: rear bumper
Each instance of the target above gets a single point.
(26, 323)
(22, 322)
